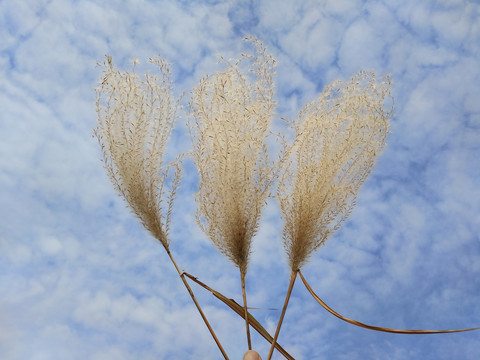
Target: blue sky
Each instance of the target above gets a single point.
(80, 278)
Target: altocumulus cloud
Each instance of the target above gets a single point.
(80, 278)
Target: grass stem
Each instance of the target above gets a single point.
(287, 298)
(182, 276)
(244, 293)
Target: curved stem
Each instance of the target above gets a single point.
(287, 298)
(376, 328)
(244, 293)
(182, 276)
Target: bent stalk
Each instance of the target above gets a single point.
(377, 328)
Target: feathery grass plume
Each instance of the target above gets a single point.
(135, 119)
(232, 113)
(337, 140)
(232, 116)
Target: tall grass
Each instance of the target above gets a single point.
(338, 138)
(135, 119)
(232, 111)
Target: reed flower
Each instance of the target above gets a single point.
(232, 112)
(232, 116)
(135, 119)
(338, 138)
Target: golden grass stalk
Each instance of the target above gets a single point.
(337, 140)
(135, 120)
(232, 111)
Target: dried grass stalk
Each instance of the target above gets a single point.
(337, 140)
(135, 120)
(232, 115)
(232, 112)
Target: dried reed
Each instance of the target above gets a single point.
(337, 140)
(135, 120)
(232, 112)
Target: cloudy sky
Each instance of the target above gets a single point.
(80, 278)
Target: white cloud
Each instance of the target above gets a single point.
(455, 23)
(280, 15)
(320, 36)
(362, 47)
(343, 8)
(50, 245)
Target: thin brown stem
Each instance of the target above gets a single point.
(244, 293)
(377, 328)
(182, 276)
(287, 298)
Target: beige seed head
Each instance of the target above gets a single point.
(231, 118)
(135, 119)
(337, 140)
